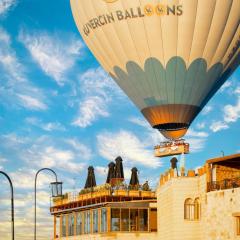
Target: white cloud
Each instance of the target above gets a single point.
(54, 55)
(54, 157)
(196, 139)
(8, 58)
(24, 212)
(49, 127)
(23, 179)
(196, 144)
(82, 150)
(139, 121)
(6, 5)
(31, 102)
(3, 160)
(201, 125)
(97, 90)
(192, 133)
(237, 91)
(128, 146)
(67, 155)
(12, 140)
(207, 110)
(232, 112)
(15, 88)
(98, 82)
(225, 86)
(101, 171)
(89, 110)
(218, 126)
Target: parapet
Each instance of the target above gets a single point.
(172, 173)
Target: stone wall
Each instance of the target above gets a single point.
(220, 224)
(171, 197)
(218, 210)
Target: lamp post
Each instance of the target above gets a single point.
(56, 192)
(12, 202)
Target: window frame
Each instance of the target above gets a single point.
(95, 221)
(197, 209)
(104, 220)
(238, 226)
(64, 225)
(189, 209)
(80, 224)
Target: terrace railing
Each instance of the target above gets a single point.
(224, 184)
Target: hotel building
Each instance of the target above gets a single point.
(190, 205)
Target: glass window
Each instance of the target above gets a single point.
(189, 209)
(70, 224)
(115, 219)
(197, 209)
(87, 222)
(153, 220)
(79, 223)
(238, 225)
(125, 220)
(143, 220)
(133, 220)
(103, 220)
(95, 221)
(64, 226)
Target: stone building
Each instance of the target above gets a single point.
(202, 205)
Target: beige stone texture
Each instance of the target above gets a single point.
(218, 210)
(117, 236)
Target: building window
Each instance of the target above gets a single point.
(143, 220)
(87, 222)
(79, 223)
(125, 220)
(197, 209)
(103, 220)
(64, 226)
(71, 220)
(189, 209)
(133, 220)
(153, 220)
(115, 219)
(238, 225)
(95, 221)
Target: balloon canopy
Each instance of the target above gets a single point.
(170, 56)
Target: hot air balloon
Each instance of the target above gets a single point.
(169, 57)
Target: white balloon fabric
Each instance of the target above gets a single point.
(168, 56)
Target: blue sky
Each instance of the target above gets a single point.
(59, 109)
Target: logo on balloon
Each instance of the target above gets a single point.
(147, 10)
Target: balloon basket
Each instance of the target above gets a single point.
(170, 148)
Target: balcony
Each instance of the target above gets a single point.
(224, 184)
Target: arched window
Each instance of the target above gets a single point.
(197, 209)
(189, 209)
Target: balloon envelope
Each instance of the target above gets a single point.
(169, 57)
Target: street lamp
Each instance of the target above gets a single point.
(56, 189)
(12, 202)
(56, 192)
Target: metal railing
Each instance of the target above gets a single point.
(224, 184)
